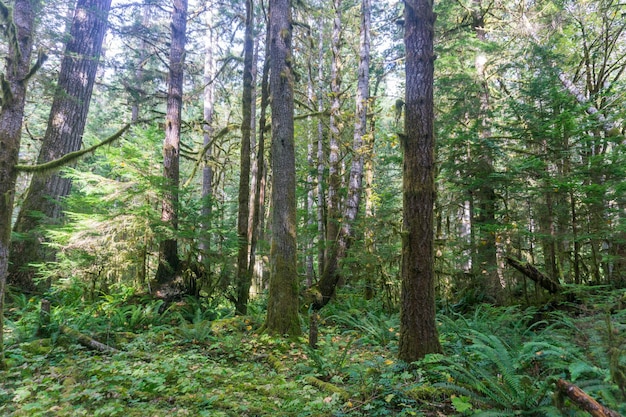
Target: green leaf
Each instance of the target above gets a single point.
(461, 404)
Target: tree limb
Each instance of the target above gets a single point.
(72, 156)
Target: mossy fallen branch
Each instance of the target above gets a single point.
(328, 387)
(276, 364)
(583, 400)
(533, 273)
(72, 156)
(87, 341)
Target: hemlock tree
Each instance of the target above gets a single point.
(282, 304)
(19, 31)
(168, 247)
(418, 331)
(64, 132)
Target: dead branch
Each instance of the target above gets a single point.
(583, 400)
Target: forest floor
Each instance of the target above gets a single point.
(189, 361)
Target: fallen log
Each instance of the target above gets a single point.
(533, 273)
(583, 400)
(87, 341)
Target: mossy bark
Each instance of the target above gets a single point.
(16, 70)
(282, 309)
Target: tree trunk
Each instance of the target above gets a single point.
(418, 331)
(338, 250)
(17, 68)
(485, 262)
(168, 247)
(282, 304)
(321, 207)
(207, 118)
(258, 208)
(334, 179)
(66, 125)
(243, 272)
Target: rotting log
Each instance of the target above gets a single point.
(328, 387)
(533, 273)
(583, 400)
(87, 341)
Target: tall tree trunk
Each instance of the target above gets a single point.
(243, 272)
(485, 262)
(17, 67)
(310, 192)
(338, 250)
(334, 176)
(66, 125)
(321, 206)
(418, 331)
(168, 247)
(282, 303)
(259, 191)
(207, 118)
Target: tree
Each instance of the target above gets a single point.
(64, 132)
(338, 248)
(19, 30)
(243, 271)
(282, 304)
(418, 331)
(168, 247)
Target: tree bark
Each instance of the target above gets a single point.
(14, 95)
(418, 331)
(168, 247)
(282, 305)
(64, 132)
(243, 272)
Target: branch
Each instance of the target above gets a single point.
(533, 273)
(225, 130)
(583, 400)
(87, 341)
(72, 156)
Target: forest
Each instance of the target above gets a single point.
(313, 208)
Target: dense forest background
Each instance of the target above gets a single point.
(143, 225)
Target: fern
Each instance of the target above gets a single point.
(494, 378)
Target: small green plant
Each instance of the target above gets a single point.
(329, 358)
(198, 331)
(374, 327)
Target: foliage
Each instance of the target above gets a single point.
(193, 358)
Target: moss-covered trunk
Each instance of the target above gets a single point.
(13, 99)
(282, 306)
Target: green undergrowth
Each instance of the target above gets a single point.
(194, 359)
